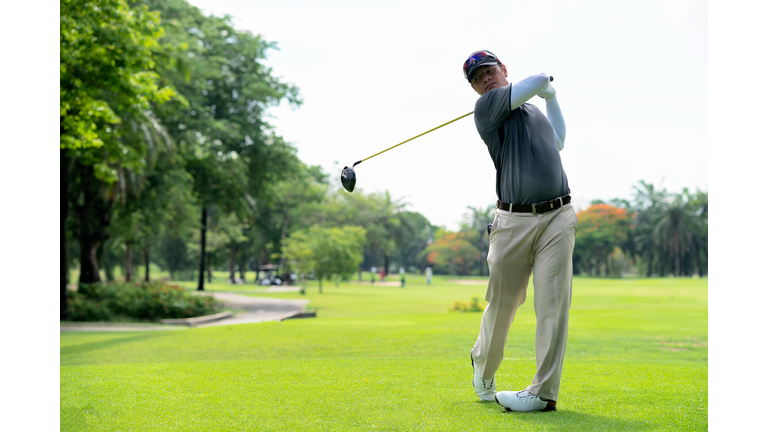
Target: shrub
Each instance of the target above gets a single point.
(470, 306)
(144, 302)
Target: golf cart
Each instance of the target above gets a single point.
(270, 277)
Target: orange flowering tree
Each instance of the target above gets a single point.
(602, 228)
(451, 250)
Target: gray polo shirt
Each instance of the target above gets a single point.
(527, 161)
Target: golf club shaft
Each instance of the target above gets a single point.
(409, 139)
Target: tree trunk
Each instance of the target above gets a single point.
(208, 267)
(92, 221)
(233, 264)
(105, 263)
(242, 271)
(203, 222)
(283, 234)
(146, 263)
(698, 264)
(63, 211)
(320, 281)
(386, 264)
(128, 261)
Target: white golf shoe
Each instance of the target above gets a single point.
(485, 389)
(521, 401)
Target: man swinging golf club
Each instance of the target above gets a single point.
(533, 230)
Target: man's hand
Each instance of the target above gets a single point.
(548, 93)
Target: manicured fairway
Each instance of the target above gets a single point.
(387, 358)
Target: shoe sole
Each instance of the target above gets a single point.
(546, 408)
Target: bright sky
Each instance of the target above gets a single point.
(631, 79)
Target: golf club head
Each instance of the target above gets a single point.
(348, 179)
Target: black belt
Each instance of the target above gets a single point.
(537, 208)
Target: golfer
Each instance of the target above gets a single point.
(533, 230)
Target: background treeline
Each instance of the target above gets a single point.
(657, 233)
(168, 162)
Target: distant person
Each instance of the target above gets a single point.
(533, 231)
(428, 272)
(402, 277)
(383, 274)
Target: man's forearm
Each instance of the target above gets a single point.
(557, 121)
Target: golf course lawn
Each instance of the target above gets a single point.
(391, 358)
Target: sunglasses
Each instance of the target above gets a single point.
(477, 57)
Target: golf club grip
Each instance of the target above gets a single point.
(551, 78)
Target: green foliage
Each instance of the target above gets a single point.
(451, 251)
(388, 228)
(330, 253)
(107, 74)
(470, 306)
(145, 301)
(476, 222)
(670, 233)
(602, 227)
(658, 234)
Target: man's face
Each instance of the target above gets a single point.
(488, 78)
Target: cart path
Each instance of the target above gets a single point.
(250, 310)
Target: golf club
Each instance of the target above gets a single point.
(348, 178)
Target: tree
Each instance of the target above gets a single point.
(381, 216)
(451, 249)
(106, 84)
(330, 253)
(680, 231)
(227, 147)
(285, 206)
(421, 236)
(477, 221)
(602, 228)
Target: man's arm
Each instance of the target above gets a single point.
(493, 108)
(521, 91)
(554, 115)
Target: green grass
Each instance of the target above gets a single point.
(387, 358)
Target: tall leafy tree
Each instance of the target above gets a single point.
(228, 147)
(108, 80)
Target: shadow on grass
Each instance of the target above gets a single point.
(568, 420)
(117, 340)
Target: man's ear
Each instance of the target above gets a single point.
(504, 68)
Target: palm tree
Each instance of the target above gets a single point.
(646, 209)
(676, 229)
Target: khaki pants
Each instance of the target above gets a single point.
(521, 243)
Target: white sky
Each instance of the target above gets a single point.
(631, 78)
